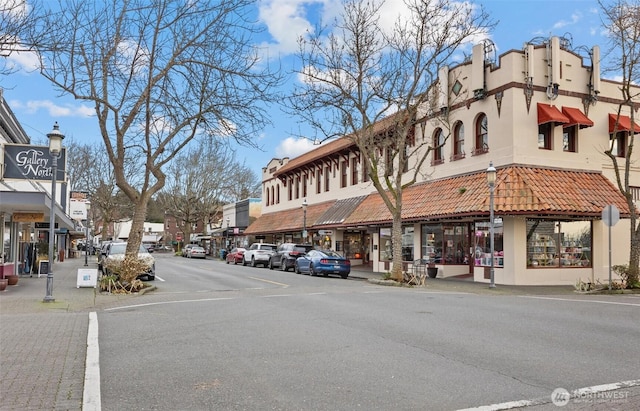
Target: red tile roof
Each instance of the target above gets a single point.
(519, 190)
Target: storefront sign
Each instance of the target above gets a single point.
(28, 217)
(27, 162)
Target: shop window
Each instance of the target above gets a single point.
(386, 249)
(545, 136)
(482, 246)
(558, 244)
(481, 135)
(353, 245)
(569, 143)
(407, 243)
(445, 244)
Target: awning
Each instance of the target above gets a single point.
(288, 220)
(623, 125)
(550, 114)
(339, 211)
(576, 117)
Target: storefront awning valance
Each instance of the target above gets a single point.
(576, 117)
(550, 114)
(624, 123)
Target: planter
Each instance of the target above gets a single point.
(12, 279)
(432, 272)
(3, 284)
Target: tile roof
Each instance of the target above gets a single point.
(519, 189)
(287, 220)
(339, 211)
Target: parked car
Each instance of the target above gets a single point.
(236, 255)
(259, 253)
(324, 262)
(115, 255)
(286, 255)
(150, 247)
(196, 252)
(186, 248)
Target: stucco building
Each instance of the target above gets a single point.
(543, 116)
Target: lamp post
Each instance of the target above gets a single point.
(55, 147)
(304, 220)
(491, 180)
(86, 236)
(228, 241)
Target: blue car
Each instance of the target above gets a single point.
(324, 262)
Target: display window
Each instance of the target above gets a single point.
(446, 243)
(558, 244)
(482, 247)
(353, 245)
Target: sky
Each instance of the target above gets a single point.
(37, 105)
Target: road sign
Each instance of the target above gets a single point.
(610, 215)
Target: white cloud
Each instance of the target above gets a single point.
(575, 18)
(54, 110)
(293, 147)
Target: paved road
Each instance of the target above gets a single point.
(46, 368)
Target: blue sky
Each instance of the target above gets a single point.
(37, 105)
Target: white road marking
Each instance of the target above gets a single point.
(581, 301)
(166, 302)
(91, 400)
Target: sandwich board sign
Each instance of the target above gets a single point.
(87, 277)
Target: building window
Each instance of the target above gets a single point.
(290, 190)
(297, 188)
(458, 141)
(619, 147)
(560, 244)
(545, 136)
(327, 178)
(445, 243)
(304, 185)
(405, 160)
(268, 196)
(438, 141)
(569, 143)
(278, 194)
(386, 249)
(354, 171)
(407, 243)
(482, 135)
(365, 169)
(318, 180)
(343, 174)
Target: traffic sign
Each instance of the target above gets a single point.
(610, 215)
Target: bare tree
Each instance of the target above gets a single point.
(622, 20)
(15, 15)
(159, 73)
(370, 83)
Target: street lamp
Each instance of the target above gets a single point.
(55, 147)
(228, 241)
(491, 180)
(304, 220)
(86, 237)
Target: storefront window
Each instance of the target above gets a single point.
(482, 246)
(446, 243)
(559, 244)
(407, 243)
(353, 245)
(386, 250)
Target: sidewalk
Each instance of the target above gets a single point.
(44, 345)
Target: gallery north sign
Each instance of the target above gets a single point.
(32, 162)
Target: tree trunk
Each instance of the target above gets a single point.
(396, 243)
(137, 227)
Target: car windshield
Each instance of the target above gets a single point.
(266, 247)
(301, 249)
(121, 248)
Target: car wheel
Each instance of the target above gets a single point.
(296, 267)
(227, 261)
(283, 265)
(235, 261)
(270, 264)
(244, 262)
(253, 262)
(311, 272)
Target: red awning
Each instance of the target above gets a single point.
(550, 114)
(623, 125)
(576, 117)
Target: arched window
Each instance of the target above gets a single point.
(458, 141)
(268, 197)
(438, 149)
(278, 194)
(482, 135)
(273, 197)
